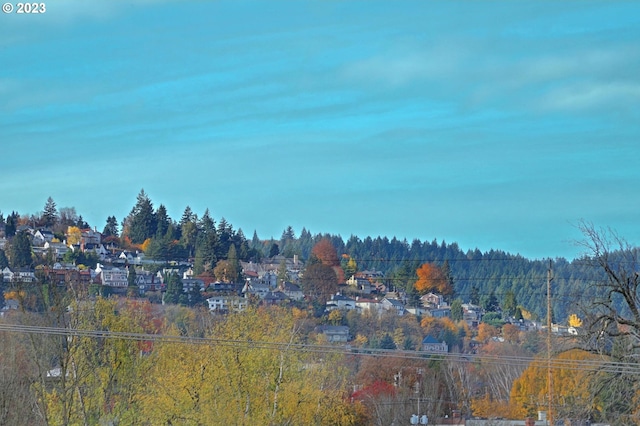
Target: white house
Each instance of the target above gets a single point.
(339, 301)
(42, 236)
(227, 303)
(113, 276)
(371, 305)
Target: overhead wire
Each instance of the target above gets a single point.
(590, 365)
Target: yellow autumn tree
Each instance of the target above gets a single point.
(250, 373)
(487, 406)
(145, 245)
(74, 235)
(574, 321)
(99, 376)
(572, 374)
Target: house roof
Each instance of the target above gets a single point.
(430, 339)
(338, 296)
(275, 296)
(395, 302)
(288, 286)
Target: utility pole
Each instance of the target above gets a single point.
(549, 376)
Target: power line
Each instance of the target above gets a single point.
(498, 360)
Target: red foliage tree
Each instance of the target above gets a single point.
(376, 389)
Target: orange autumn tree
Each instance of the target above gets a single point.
(328, 256)
(432, 278)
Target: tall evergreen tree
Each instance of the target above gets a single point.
(509, 303)
(111, 228)
(188, 216)
(255, 241)
(282, 272)
(490, 302)
(188, 231)
(225, 237)
(232, 259)
(162, 221)
(20, 251)
(457, 313)
(474, 298)
(142, 219)
(50, 213)
(207, 245)
(80, 223)
(174, 289)
(11, 224)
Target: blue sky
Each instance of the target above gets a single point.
(492, 124)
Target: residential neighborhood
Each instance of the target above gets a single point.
(339, 303)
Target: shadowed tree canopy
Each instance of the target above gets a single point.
(20, 251)
(319, 281)
(326, 253)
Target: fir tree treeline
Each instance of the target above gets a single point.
(192, 237)
(475, 274)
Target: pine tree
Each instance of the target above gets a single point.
(387, 342)
(255, 241)
(225, 238)
(232, 259)
(162, 220)
(474, 297)
(188, 216)
(20, 251)
(174, 289)
(457, 312)
(50, 213)
(274, 251)
(143, 222)
(11, 224)
(207, 244)
(111, 228)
